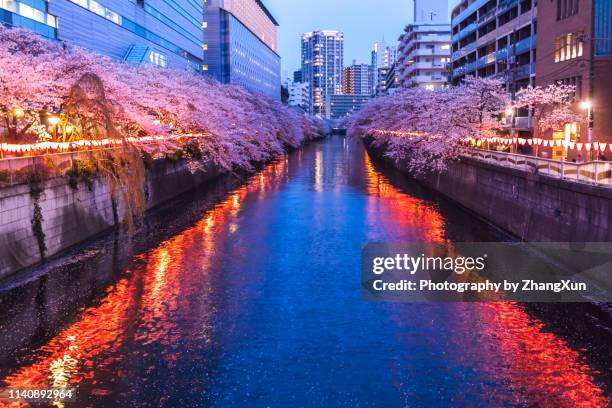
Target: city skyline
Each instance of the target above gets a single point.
(388, 21)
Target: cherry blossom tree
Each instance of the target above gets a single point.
(100, 99)
(425, 129)
(551, 106)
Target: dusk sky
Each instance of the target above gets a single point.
(362, 22)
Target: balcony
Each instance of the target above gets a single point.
(464, 51)
(505, 5)
(486, 16)
(526, 70)
(468, 11)
(469, 29)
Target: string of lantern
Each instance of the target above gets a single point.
(50, 147)
(567, 145)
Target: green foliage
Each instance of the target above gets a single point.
(83, 171)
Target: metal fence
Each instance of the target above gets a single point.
(597, 172)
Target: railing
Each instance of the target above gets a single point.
(597, 172)
(19, 170)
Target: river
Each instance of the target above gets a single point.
(249, 295)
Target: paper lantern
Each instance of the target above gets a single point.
(603, 147)
(588, 146)
(579, 146)
(559, 142)
(596, 146)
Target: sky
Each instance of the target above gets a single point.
(363, 22)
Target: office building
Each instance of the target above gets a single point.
(423, 54)
(299, 95)
(322, 64)
(358, 79)
(575, 47)
(240, 45)
(162, 33)
(340, 106)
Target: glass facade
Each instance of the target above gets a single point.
(252, 63)
(31, 14)
(603, 28)
(239, 45)
(168, 30)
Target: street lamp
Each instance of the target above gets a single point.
(53, 121)
(588, 106)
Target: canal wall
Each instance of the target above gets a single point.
(72, 214)
(532, 207)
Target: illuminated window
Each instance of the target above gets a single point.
(568, 46)
(97, 8)
(9, 5)
(205, 47)
(51, 21)
(31, 13)
(82, 3)
(204, 67)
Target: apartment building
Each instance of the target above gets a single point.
(423, 56)
(322, 66)
(358, 79)
(496, 38)
(299, 95)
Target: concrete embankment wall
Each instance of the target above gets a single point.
(530, 206)
(71, 216)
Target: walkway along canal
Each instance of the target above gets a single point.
(249, 296)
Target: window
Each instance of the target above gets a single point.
(112, 16)
(51, 21)
(158, 58)
(97, 8)
(82, 3)
(569, 46)
(9, 5)
(567, 8)
(31, 13)
(575, 82)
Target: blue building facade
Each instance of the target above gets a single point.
(240, 45)
(161, 32)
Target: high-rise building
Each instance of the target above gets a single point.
(161, 33)
(424, 47)
(358, 79)
(496, 38)
(322, 64)
(240, 45)
(383, 58)
(574, 47)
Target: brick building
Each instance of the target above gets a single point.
(575, 47)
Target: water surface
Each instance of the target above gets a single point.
(251, 298)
